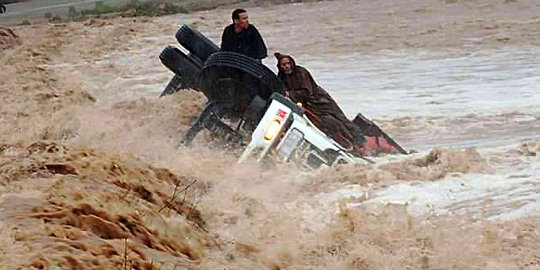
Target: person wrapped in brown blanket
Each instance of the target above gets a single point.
(320, 107)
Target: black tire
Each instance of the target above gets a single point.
(180, 63)
(185, 67)
(195, 42)
(196, 60)
(238, 67)
(178, 83)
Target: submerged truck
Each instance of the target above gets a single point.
(247, 107)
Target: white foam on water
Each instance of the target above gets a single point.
(418, 83)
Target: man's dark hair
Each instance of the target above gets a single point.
(236, 13)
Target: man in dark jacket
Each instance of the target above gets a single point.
(321, 109)
(242, 37)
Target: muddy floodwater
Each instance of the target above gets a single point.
(456, 81)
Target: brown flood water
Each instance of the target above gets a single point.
(90, 177)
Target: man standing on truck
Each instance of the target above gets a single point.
(320, 107)
(242, 37)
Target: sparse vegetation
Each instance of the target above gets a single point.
(12, 1)
(101, 8)
(56, 19)
(149, 9)
(72, 12)
(153, 8)
(134, 8)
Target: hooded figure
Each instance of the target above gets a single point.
(322, 110)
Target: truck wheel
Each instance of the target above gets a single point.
(178, 62)
(251, 77)
(195, 42)
(184, 66)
